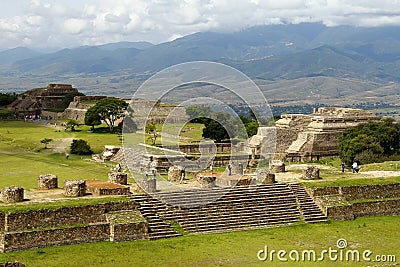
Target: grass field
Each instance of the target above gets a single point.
(377, 234)
(23, 157)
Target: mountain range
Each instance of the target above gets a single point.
(296, 54)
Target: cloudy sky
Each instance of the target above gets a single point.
(70, 23)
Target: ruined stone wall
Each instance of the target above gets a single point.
(151, 110)
(55, 237)
(67, 225)
(359, 192)
(359, 209)
(45, 218)
(129, 231)
(77, 109)
(220, 148)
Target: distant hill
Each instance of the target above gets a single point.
(300, 62)
(16, 54)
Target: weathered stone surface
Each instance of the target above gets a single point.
(261, 174)
(277, 166)
(101, 188)
(47, 181)
(244, 181)
(206, 181)
(237, 168)
(150, 185)
(175, 173)
(12, 194)
(118, 177)
(310, 173)
(74, 188)
(269, 178)
(37, 100)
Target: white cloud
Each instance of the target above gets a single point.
(66, 23)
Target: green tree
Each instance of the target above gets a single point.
(151, 129)
(46, 141)
(251, 128)
(80, 147)
(198, 113)
(71, 124)
(110, 110)
(92, 117)
(214, 130)
(7, 98)
(370, 142)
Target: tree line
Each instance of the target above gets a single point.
(371, 142)
(220, 125)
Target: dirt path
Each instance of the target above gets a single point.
(61, 145)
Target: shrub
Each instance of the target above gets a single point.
(80, 147)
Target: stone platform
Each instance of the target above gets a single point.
(100, 188)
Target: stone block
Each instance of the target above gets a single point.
(277, 167)
(206, 181)
(310, 173)
(47, 181)
(175, 173)
(74, 188)
(238, 168)
(118, 177)
(150, 185)
(269, 178)
(12, 194)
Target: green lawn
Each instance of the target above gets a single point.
(378, 234)
(23, 157)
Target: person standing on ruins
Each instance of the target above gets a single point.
(342, 165)
(229, 169)
(355, 167)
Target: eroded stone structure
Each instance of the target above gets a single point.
(118, 177)
(47, 181)
(35, 101)
(310, 173)
(302, 137)
(206, 181)
(155, 111)
(74, 188)
(78, 107)
(12, 194)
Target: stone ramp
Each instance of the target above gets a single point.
(310, 211)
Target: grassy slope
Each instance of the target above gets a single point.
(227, 249)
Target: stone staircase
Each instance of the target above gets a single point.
(310, 211)
(149, 209)
(225, 209)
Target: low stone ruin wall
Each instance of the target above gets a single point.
(370, 191)
(372, 200)
(129, 231)
(360, 209)
(45, 218)
(55, 237)
(359, 192)
(68, 225)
